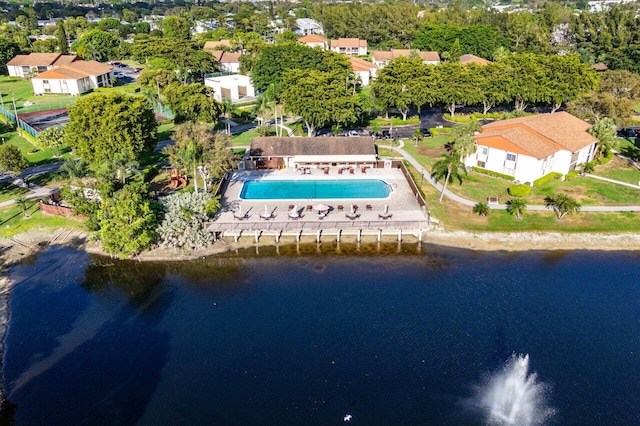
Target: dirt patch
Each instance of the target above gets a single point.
(431, 152)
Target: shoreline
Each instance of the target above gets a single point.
(17, 248)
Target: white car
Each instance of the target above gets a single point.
(353, 134)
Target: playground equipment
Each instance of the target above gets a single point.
(176, 180)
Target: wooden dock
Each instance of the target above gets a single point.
(319, 229)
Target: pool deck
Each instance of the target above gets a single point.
(408, 216)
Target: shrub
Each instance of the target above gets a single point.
(457, 118)
(492, 173)
(606, 159)
(546, 178)
(489, 115)
(266, 131)
(521, 190)
(435, 131)
(572, 175)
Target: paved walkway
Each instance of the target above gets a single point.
(534, 207)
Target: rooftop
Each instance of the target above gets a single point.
(539, 135)
(322, 145)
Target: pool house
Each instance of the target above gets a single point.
(273, 153)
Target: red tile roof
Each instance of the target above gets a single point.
(538, 135)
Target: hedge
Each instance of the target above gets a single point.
(521, 190)
(117, 89)
(571, 175)
(435, 131)
(492, 173)
(457, 118)
(546, 178)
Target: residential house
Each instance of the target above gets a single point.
(349, 46)
(23, 65)
(276, 153)
(229, 61)
(73, 79)
(306, 26)
(235, 87)
(382, 58)
(314, 40)
(224, 44)
(528, 148)
(473, 59)
(364, 70)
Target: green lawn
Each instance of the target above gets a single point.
(9, 191)
(40, 156)
(165, 131)
(22, 91)
(456, 217)
(13, 222)
(243, 138)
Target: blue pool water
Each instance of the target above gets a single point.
(314, 189)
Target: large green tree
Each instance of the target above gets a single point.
(127, 221)
(108, 126)
(568, 79)
(8, 49)
(320, 98)
(11, 159)
(403, 84)
(191, 102)
(176, 27)
(277, 59)
(99, 45)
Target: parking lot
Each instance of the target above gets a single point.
(124, 73)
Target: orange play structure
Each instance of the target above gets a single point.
(176, 180)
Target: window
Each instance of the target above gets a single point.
(45, 81)
(483, 150)
(508, 171)
(482, 164)
(511, 157)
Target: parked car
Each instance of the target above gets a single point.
(114, 63)
(139, 70)
(118, 75)
(386, 134)
(425, 132)
(353, 133)
(630, 133)
(122, 65)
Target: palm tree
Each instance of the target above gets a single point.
(448, 168)
(417, 135)
(562, 204)
(75, 169)
(589, 167)
(481, 209)
(516, 207)
(22, 202)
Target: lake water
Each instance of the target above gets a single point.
(308, 338)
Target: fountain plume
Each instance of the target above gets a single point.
(515, 397)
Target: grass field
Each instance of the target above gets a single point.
(22, 91)
(454, 216)
(33, 154)
(12, 220)
(243, 138)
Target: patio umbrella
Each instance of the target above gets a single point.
(386, 208)
(295, 209)
(266, 209)
(321, 207)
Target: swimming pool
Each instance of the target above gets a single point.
(315, 189)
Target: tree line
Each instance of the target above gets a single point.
(520, 79)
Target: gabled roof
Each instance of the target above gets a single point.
(216, 45)
(329, 145)
(230, 57)
(538, 135)
(312, 38)
(380, 55)
(75, 71)
(358, 64)
(348, 42)
(41, 60)
(468, 58)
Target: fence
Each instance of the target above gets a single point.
(163, 110)
(20, 123)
